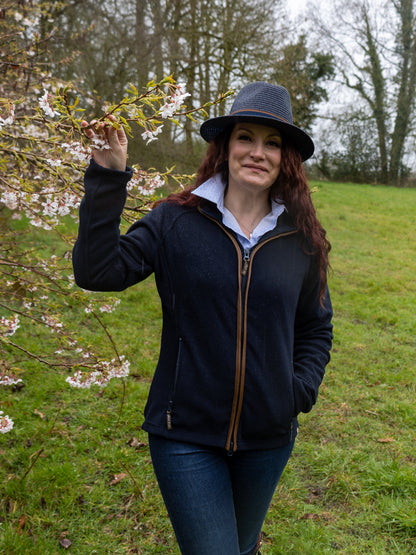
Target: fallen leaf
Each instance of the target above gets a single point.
(134, 442)
(310, 516)
(65, 543)
(386, 440)
(22, 523)
(118, 478)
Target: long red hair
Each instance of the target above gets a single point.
(291, 188)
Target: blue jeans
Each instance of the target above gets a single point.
(217, 503)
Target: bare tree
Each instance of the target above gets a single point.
(375, 46)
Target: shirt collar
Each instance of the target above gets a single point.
(213, 190)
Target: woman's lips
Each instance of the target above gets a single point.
(255, 168)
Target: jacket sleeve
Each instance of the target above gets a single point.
(102, 259)
(312, 342)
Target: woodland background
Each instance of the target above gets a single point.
(350, 67)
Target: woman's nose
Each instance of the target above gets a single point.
(257, 150)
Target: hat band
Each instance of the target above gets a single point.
(237, 112)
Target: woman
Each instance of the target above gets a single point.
(240, 265)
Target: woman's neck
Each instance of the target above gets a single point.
(247, 208)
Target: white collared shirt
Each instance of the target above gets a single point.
(213, 190)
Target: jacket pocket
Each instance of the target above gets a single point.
(169, 411)
(295, 400)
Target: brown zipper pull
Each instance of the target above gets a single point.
(169, 419)
(246, 261)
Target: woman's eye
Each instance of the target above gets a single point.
(275, 144)
(244, 137)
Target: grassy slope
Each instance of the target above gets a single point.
(350, 486)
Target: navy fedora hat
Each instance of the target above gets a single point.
(266, 104)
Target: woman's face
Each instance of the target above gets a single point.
(254, 155)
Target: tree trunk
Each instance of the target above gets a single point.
(157, 40)
(407, 49)
(141, 46)
(192, 64)
(378, 103)
(227, 50)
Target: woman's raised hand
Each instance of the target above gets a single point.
(114, 157)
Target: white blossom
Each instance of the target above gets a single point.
(82, 380)
(104, 372)
(175, 102)
(9, 380)
(148, 135)
(99, 143)
(150, 185)
(135, 181)
(10, 325)
(10, 199)
(46, 106)
(121, 371)
(167, 110)
(27, 22)
(145, 185)
(61, 205)
(77, 150)
(6, 423)
(108, 307)
(10, 119)
(36, 221)
(55, 163)
(51, 322)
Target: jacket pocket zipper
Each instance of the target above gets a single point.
(175, 381)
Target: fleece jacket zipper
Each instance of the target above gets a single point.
(244, 285)
(244, 277)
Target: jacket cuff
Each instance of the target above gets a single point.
(95, 169)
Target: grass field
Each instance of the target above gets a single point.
(74, 480)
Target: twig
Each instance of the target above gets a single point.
(123, 399)
(133, 478)
(38, 454)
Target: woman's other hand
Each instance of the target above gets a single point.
(115, 157)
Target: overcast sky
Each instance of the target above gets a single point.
(296, 6)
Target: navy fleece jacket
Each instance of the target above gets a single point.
(244, 342)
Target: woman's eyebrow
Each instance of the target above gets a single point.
(247, 130)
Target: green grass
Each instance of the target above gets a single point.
(350, 486)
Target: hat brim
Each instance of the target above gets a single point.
(213, 127)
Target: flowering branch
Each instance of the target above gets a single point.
(43, 154)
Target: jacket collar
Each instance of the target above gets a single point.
(211, 193)
(285, 222)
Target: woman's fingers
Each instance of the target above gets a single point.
(114, 157)
(115, 137)
(88, 132)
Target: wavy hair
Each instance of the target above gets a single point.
(291, 188)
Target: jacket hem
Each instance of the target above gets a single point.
(212, 441)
